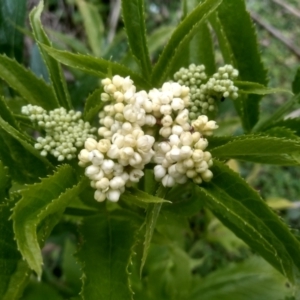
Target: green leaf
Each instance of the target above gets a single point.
(93, 26)
(222, 39)
(179, 39)
(241, 36)
(261, 149)
(105, 256)
(141, 198)
(54, 69)
(202, 49)
(282, 132)
(134, 21)
(24, 141)
(157, 39)
(251, 279)
(278, 114)
(40, 208)
(14, 273)
(241, 209)
(93, 105)
(293, 124)
(296, 82)
(247, 87)
(7, 115)
(12, 14)
(95, 66)
(34, 90)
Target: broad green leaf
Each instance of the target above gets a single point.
(68, 41)
(93, 26)
(296, 82)
(261, 149)
(23, 166)
(247, 87)
(141, 198)
(7, 115)
(134, 21)
(95, 66)
(93, 105)
(251, 279)
(33, 89)
(292, 124)
(54, 69)
(37, 64)
(40, 290)
(42, 204)
(278, 114)
(241, 36)
(202, 49)
(14, 271)
(179, 39)
(157, 39)
(23, 140)
(12, 14)
(105, 255)
(241, 209)
(282, 132)
(223, 42)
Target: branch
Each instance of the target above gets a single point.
(292, 10)
(277, 34)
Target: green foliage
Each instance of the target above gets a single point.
(186, 242)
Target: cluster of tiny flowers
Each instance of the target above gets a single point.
(64, 131)
(128, 139)
(204, 91)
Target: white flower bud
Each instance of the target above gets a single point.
(201, 167)
(159, 172)
(150, 120)
(207, 175)
(166, 109)
(103, 145)
(186, 138)
(102, 184)
(136, 159)
(145, 143)
(177, 129)
(197, 179)
(90, 144)
(113, 195)
(175, 154)
(201, 144)
(96, 157)
(174, 140)
(135, 175)
(107, 166)
(180, 168)
(177, 104)
(168, 181)
(99, 196)
(165, 147)
(116, 183)
(165, 132)
(191, 173)
(113, 152)
(83, 156)
(91, 170)
(181, 180)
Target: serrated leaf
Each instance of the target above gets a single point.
(134, 21)
(247, 87)
(251, 279)
(241, 36)
(7, 115)
(179, 39)
(95, 66)
(24, 141)
(296, 82)
(258, 148)
(282, 132)
(34, 90)
(278, 114)
(241, 209)
(105, 256)
(14, 272)
(93, 105)
(23, 166)
(12, 14)
(292, 124)
(202, 50)
(54, 69)
(42, 203)
(93, 26)
(222, 39)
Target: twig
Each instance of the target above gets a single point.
(292, 10)
(277, 34)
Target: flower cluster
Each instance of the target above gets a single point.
(132, 125)
(204, 91)
(64, 131)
